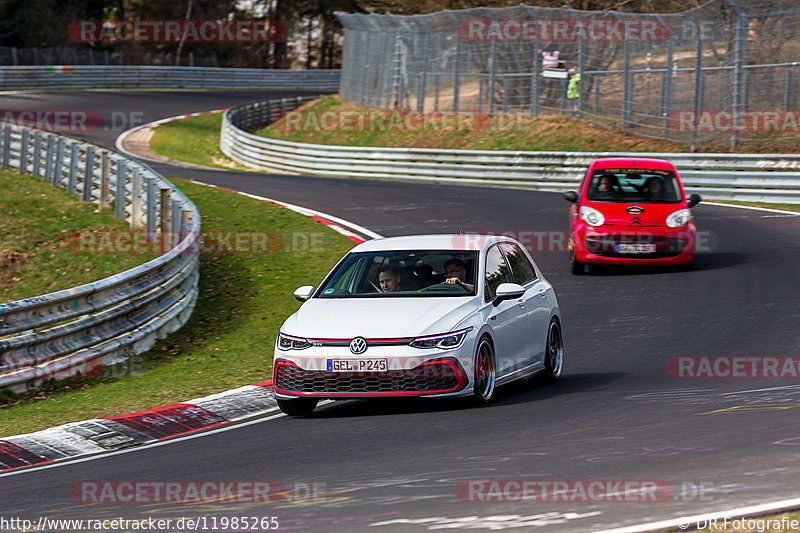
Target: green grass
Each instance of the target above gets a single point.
(193, 140)
(244, 298)
(469, 131)
(39, 228)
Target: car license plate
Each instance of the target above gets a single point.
(638, 248)
(357, 365)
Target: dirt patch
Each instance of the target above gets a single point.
(11, 260)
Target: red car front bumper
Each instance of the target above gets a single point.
(660, 245)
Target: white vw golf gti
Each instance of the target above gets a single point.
(429, 315)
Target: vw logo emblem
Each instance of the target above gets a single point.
(358, 345)
(635, 210)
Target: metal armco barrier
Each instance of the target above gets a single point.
(744, 177)
(79, 331)
(87, 76)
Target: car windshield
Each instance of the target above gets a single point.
(634, 185)
(407, 273)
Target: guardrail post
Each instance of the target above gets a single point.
(164, 207)
(269, 112)
(58, 164)
(23, 152)
(136, 198)
(105, 185)
(49, 157)
(175, 220)
(88, 175)
(283, 107)
(6, 147)
(72, 177)
(119, 192)
(152, 221)
(37, 153)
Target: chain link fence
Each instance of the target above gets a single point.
(723, 73)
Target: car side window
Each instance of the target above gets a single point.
(497, 271)
(521, 268)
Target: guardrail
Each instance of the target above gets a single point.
(86, 76)
(80, 330)
(773, 178)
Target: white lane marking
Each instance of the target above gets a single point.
(693, 520)
(767, 209)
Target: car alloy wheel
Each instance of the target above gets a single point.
(484, 371)
(554, 359)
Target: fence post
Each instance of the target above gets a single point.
(436, 92)
(119, 192)
(105, 178)
(481, 83)
(59, 162)
(72, 177)
(581, 81)
(627, 95)
(88, 175)
(666, 103)
(596, 105)
(151, 222)
(424, 81)
(23, 152)
(535, 79)
(698, 90)
(37, 153)
(787, 89)
(738, 71)
(492, 75)
(457, 75)
(505, 95)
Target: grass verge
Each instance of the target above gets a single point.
(244, 298)
(39, 227)
(193, 140)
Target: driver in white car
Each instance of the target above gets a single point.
(456, 271)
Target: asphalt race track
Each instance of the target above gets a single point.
(617, 414)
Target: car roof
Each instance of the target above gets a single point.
(456, 241)
(644, 163)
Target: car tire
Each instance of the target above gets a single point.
(554, 352)
(485, 372)
(577, 266)
(298, 407)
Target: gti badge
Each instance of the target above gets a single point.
(635, 210)
(358, 345)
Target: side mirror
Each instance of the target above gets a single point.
(304, 293)
(507, 291)
(694, 200)
(571, 196)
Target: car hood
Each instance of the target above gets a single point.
(615, 213)
(391, 317)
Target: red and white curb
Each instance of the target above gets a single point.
(104, 434)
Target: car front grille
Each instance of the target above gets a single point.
(605, 245)
(428, 378)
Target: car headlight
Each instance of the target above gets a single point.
(445, 341)
(287, 342)
(679, 218)
(592, 216)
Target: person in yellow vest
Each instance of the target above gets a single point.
(573, 91)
